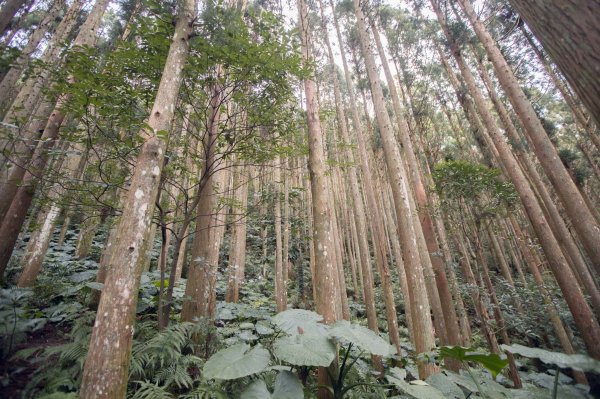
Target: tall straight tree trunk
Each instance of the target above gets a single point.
(280, 284)
(583, 220)
(561, 232)
(434, 259)
(514, 374)
(199, 274)
(569, 32)
(40, 239)
(582, 314)
(358, 207)
(237, 256)
(325, 286)
(7, 85)
(423, 329)
(106, 368)
(16, 214)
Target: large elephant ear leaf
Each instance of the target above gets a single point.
(305, 350)
(256, 390)
(362, 337)
(577, 361)
(236, 361)
(298, 321)
(287, 386)
(416, 389)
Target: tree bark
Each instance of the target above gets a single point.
(569, 32)
(423, 329)
(583, 220)
(106, 368)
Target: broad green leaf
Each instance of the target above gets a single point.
(305, 350)
(416, 390)
(287, 386)
(237, 361)
(256, 390)
(577, 361)
(298, 321)
(491, 361)
(362, 337)
(445, 385)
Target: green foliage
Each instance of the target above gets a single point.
(287, 386)
(491, 361)
(576, 361)
(236, 362)
(461, 183)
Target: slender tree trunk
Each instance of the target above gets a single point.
(237, 256)
(16, 214)
(514, 374)
(559, 228)
(423, 331)
(106, 368)
(582, 314)
(280, 286)
(433, 259)
(583, 220)
(198, 290)
(325, 287)
(7, 85)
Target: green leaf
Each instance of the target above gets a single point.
(417, 389)
(287, 386)
(491, 361)
(256, 390)
(445, 385)
(577, 361)
(362, 337)
(305, 350)
(298, 321)
(237, 361)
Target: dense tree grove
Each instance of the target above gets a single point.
(301, 199)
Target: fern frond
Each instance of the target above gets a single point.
(148, 390)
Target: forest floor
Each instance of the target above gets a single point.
(44, 333)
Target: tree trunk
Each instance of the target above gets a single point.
(106, 368)
(582, 313)
(423, 330)
(569, 32)
(7, 85)
(15, 216)
(583, 220)
(237, 256)
(7, 12)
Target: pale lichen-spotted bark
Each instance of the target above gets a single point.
(325, 282)
(106, 368)
(582, 313)
(584, 222)
(422, 324)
